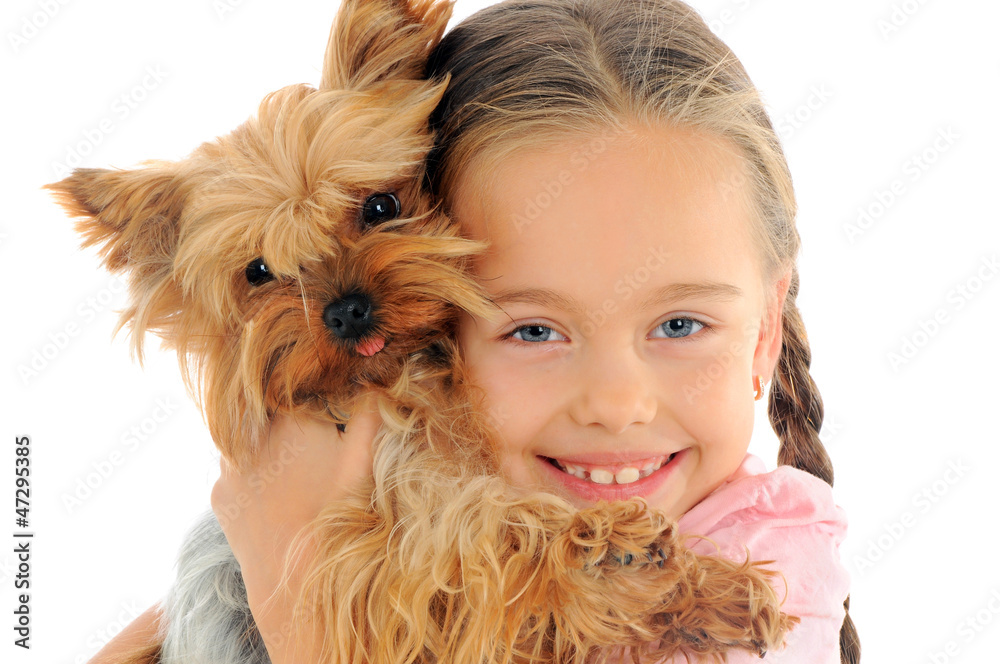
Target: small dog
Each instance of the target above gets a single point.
(298, 261)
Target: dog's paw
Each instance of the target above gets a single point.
(654, 555)
(617, 535)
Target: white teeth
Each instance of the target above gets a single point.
(601, 476)
(627, 475)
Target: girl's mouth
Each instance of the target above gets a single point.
(594, 482)
(620, 474)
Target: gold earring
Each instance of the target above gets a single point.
(758, 387)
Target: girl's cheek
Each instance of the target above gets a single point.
(519, 396)
(719, 400)
(500, 384)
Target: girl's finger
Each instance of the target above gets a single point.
(364, 421)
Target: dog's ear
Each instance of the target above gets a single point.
(375, 40)
(132, 215)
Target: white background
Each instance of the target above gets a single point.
(855, 105)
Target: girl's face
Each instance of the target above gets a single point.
(633, 318)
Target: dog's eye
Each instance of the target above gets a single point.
(257, 272)
(379, 208)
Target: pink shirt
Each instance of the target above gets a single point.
(785, 515)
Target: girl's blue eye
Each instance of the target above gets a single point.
(679, 328)
(675, 328)
(532, 333)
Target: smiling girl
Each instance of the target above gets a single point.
(592, 390)
(640, 215)
(641, 220)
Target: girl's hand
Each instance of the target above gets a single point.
(303, 465)
(140, 634)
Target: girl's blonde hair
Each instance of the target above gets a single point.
(525, 73)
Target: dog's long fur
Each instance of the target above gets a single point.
(436, 559)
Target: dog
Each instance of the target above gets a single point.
(297, 262)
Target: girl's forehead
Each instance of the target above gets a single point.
(678, 167)
(675, 195)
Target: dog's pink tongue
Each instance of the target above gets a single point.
(370, 346)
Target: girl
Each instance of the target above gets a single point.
(640, 214)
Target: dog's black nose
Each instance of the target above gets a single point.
(350, 317)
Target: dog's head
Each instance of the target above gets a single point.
(298, 258)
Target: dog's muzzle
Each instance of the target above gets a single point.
(352, 318)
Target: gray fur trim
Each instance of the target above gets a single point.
(208, 617)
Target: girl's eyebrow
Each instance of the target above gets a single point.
(712, 291)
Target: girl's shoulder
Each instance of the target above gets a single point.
(755, 498)
(785, 515)
(789, 517)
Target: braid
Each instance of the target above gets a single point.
(795, 406)
(796, 412)
(850, 643)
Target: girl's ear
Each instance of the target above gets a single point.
(768, 349)
(375, 40)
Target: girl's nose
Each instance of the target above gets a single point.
(615, 391)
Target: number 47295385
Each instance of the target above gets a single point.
(22, 494)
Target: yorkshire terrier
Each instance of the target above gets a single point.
(298, 261)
